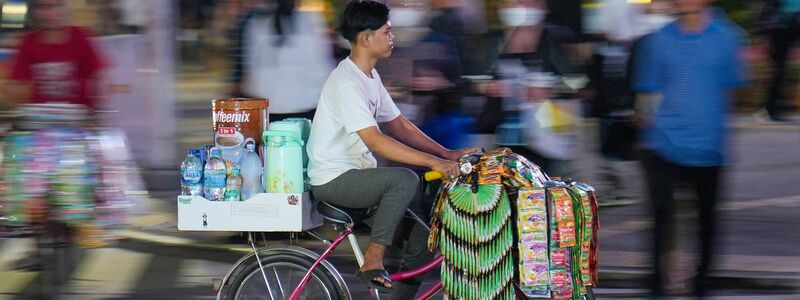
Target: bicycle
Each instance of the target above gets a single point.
(292, 272)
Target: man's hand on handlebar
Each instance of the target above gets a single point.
(454, 155)
(449, 168)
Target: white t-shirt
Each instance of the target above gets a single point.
(350, 102)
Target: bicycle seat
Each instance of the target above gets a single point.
(344, 215)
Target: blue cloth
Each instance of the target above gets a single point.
(694, 73)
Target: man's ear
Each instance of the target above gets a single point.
(364, 37)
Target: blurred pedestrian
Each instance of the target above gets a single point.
(527, 46)
(55, 62)
(780, 22)
(686, 72)
(448, 21)
(622, 27)
(250, 9)
(286, 56)
(423, 75)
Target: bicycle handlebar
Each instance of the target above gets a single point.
(466, 163)
(433, 175)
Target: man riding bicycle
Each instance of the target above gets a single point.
(345, 133)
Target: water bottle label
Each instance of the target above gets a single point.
(232, 195)
(185, 199)
(215, 180)
(192, 176)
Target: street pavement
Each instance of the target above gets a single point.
(758, 253)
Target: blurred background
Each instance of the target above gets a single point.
(164, 61)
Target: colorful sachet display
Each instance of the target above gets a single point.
(556, 231)
(557, 242)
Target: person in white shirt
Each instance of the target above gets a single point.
(286, 54)
(345, 133)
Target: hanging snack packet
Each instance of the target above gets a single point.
(593, 222)
(582, 205)
(533, 200)
(532, 226)
(560, 279)
(564, 215)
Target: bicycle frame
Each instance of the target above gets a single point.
(416, 272)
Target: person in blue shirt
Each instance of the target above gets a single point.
(684, 75)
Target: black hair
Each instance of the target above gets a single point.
(360, 15)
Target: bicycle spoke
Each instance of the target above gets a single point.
(260, 266)
(279, 282)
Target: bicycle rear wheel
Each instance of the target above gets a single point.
(283, 271)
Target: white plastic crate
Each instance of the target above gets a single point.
(267, 212)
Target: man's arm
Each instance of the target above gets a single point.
(393, 150)
(409, 134)
(647, 79)
(645, 106)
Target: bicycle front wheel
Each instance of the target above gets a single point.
(283, 273)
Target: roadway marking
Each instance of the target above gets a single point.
(195, 272)
(162, 239)
(178, 241)
(646, 222)
(108, 271)
(14, 282)
(152, 219)
(746, 124)
(12, 249)
(784, 202)
(743, 263)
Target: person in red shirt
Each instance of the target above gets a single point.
(57, 62)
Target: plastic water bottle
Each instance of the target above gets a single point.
(251, 173)
(214, 179)
(192, 174)
(234, 186)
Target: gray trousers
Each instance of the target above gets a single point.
(392, 191)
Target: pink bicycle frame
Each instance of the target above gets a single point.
(395, 277)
